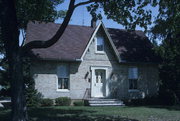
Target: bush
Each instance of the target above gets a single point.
(63, 101)
(46, 102)
(168, 97)
(34, 99)
(154, 100)
(78, 103)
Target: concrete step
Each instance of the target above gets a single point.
(102, 99)
(104, 102)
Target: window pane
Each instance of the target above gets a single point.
(99, 47)
(66, 80)
(63, 83)
(62, 71)
(100, 43)
(59, 83)
(133, 73)
(132, 83)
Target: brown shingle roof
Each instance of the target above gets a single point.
(132, 46)
(71, 45)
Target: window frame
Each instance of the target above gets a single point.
(96, 44)
(131, 78)
(65, 77)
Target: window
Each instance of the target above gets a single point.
(63, 77)
(100, 44)
(99, 75)
(133, 77)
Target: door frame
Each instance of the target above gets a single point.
(93, 68)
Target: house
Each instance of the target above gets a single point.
(93, 62)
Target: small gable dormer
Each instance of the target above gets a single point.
(100, 46)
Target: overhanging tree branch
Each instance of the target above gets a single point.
(86, 2)
(45, 44)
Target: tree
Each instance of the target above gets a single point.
(128, 13)
(167, 29)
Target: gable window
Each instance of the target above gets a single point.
(133, 77)
(63, 77)
(100, 44)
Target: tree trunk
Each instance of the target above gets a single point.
(10, 37)
(18, 88)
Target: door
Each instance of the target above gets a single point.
(98, 83)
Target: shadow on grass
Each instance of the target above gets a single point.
(170, 108)
(64, 114)
(54, 114)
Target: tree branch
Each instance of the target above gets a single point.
(86, 2)
(55, 38)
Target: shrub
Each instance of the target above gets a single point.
(154, 100)
(78, 103)
(63, 101)
(46, 102)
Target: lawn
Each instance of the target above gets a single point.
(73, 113)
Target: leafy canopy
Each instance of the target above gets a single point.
(128, 13)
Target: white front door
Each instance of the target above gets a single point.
(98, 83)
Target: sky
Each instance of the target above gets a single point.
(82, 17)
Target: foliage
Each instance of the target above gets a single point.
(40, 10)
(78, 103)
(33, 97)
(63, 101)
(164, 98)
(127, 13)
(46, 102)
(167, 30)
(5, 83)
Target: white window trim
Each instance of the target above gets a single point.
(62, 90)
(133, 90)
(96, 51)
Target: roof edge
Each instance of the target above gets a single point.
(109, 38)
(90, 40)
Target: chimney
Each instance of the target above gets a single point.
(93, 23)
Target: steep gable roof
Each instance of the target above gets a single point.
(109, 39)
(128, 46)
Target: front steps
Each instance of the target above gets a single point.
(103, 102)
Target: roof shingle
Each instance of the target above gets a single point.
(132, 46)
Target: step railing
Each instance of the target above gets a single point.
(87, 94)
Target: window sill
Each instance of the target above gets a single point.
(100, 52)
(63, 90)
(133, 90)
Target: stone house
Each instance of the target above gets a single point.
(94, 62)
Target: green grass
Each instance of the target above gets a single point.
(77, 112)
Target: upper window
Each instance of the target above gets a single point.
(100, 44)
(63, 77)
(133, 77)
